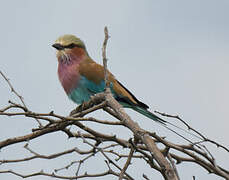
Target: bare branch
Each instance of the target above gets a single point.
(173, 165)
(41, 173)
(105, 57)
(18, 95)
(13, 90)
(127, 163)
(192, 129)
(144, 147)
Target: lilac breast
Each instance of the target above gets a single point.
(68, 75)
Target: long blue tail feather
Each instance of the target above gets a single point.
(149, 114)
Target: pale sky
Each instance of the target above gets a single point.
(173, 55)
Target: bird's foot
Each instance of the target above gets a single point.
(78, 109)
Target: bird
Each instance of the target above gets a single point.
(81, 77)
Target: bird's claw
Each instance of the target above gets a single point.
(78, 109)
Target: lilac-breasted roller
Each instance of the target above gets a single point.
(81, 77)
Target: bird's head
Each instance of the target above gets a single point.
(67, 44)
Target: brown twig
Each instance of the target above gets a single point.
(127, 163)
(42, 173)
(192, 129)
(18, 95)
(105, 57)
(173, 165)
(13, 90)
(104, 154)
(145, 177)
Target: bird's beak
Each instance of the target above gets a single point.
(58, 46)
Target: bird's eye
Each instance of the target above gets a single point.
(70, 46)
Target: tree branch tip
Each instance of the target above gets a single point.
(166, 151)
(35, 129)
(26, 145)
(105, 161)
(117, 159)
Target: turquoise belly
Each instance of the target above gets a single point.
(85, 89)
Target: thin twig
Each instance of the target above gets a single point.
(173, 165)
(145, 177)
(104, 154)
(194, 130)
(105, 57)
(18, 95)
(12, 89)
(127, 163)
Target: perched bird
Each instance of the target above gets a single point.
(81, 77)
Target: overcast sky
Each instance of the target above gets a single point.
(173, 55)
